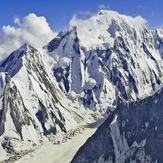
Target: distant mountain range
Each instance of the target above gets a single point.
(102, 67)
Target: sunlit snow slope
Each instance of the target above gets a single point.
(107, 59)
(31, 104)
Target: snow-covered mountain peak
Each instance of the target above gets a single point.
(101, 29)
(31, 104)
(111, 52)
(106, 16)
(14, 62)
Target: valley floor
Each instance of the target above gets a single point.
(61, 153)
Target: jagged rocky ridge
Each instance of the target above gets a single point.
(107, 59)
(80, 76)
(133, 133)
(31, 104)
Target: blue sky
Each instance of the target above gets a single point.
(38, 21)
(59, 12)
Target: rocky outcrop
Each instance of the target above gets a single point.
(133, 133)
(31, 104)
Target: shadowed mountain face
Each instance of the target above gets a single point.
(133, 133)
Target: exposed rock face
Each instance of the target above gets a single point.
(107, 59)
(133, 133)
(32, 105)
(11, 101)
(158, 34)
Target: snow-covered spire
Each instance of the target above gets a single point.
(14, 61)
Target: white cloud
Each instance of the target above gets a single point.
(82, 20)
(140, 20)
(75, 21)
(17, 21)
(85, 13)
(33, 29)
(102, 6)
(79, 22)
(142, 7)
(153, 13)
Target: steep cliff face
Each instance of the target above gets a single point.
(31, 104)
(158, 34)
(133, 133)
(107, 59)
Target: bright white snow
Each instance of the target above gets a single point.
(61, 153)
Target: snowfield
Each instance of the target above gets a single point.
(58, 153)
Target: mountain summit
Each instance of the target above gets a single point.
(101, 29)
(31, 104)
(107, 59)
